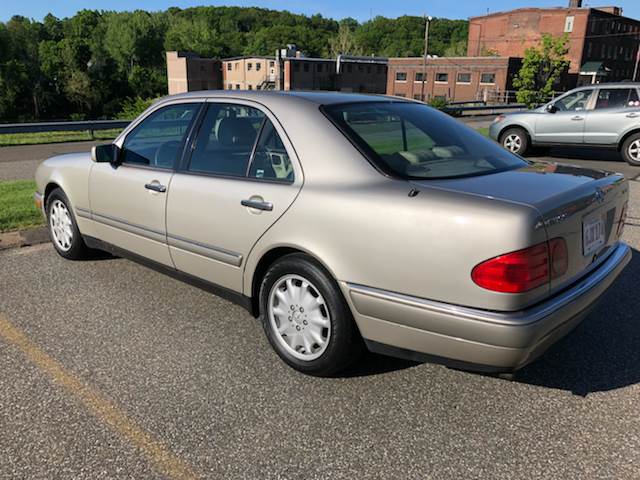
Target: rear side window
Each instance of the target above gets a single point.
(226, 139)
(617, 98)
(239, 141)
(157, 139)
(411, 140)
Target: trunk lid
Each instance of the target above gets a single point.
(583, 206)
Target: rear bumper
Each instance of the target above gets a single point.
(478, 339)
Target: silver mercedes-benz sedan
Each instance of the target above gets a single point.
(596, 116)
(348, 222)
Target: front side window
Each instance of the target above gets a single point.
(411, 140)
(225, 140)
(401, 76)
(156, 141)
(573, 102)
(617, 98)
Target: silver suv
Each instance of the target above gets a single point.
(605, 115)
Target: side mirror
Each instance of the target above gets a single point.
(106, 153)
(551, 108)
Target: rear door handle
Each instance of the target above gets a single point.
(577, 117)
(257, 204)
(156, 187)
(633, 115)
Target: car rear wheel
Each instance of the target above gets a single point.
(515, 140)
(631, 150)
(306, 319)
(63, 229)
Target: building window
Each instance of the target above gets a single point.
(464, 78)
(361, 68)
(442, 78)
(230, 86)
(272, 64)
(258, 66)
(306, 67)
(401, 76)
(250, 87)
(249, 65)
(417, 96)
(419, 76)
(319, 67)
(296, 67)
(237, 86)
(229, 66)
(568, 24)
(236, 65)
(488, 78)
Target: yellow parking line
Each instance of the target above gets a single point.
(165, 461)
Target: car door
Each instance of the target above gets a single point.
(241, 176)
(128, 202)
(616, 111)
(565, 124)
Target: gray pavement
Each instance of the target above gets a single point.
(111, 370)
(20, 161)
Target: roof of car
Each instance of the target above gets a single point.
(611, 85)
(316, 97)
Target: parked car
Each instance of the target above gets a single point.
(346, 221)
(598, 116)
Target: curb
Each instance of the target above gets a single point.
(24, 238)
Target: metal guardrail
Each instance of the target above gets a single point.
(88, 125)
(489, 109)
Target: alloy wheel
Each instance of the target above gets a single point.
(512, 142)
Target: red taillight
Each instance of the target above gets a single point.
(523, 270)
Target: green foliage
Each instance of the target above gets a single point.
(438, 102)
(133, 107)
(16, 205)
(86, 66)
(541, 70)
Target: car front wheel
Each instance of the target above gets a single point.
(515, 140)
(306, 319)
(631, 150)
(63, 228)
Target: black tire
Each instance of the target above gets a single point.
(628, 157)
(517, 135)
(77, 249)
(344, 345)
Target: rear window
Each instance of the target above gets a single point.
(411, 140)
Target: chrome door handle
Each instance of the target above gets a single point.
(577, 117)
(257, 204)
(632, 115)
(156, 187)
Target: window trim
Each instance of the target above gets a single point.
(458, 82)
(487, 83)
(122, 138)
(441, 82)
(405, 77)
(183, 167)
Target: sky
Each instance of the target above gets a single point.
(337, 9)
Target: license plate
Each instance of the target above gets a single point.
(592, 235)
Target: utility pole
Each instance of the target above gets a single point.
(424, 57)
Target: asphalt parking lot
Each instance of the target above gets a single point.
(111, 370)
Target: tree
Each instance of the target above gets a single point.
(542, 67)
(344, 42)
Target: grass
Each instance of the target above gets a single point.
(8, 139)
(17, 209)
(483, 130)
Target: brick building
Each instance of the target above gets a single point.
(602, 43)
(289, 70)
(187, 72)
(452, 78)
